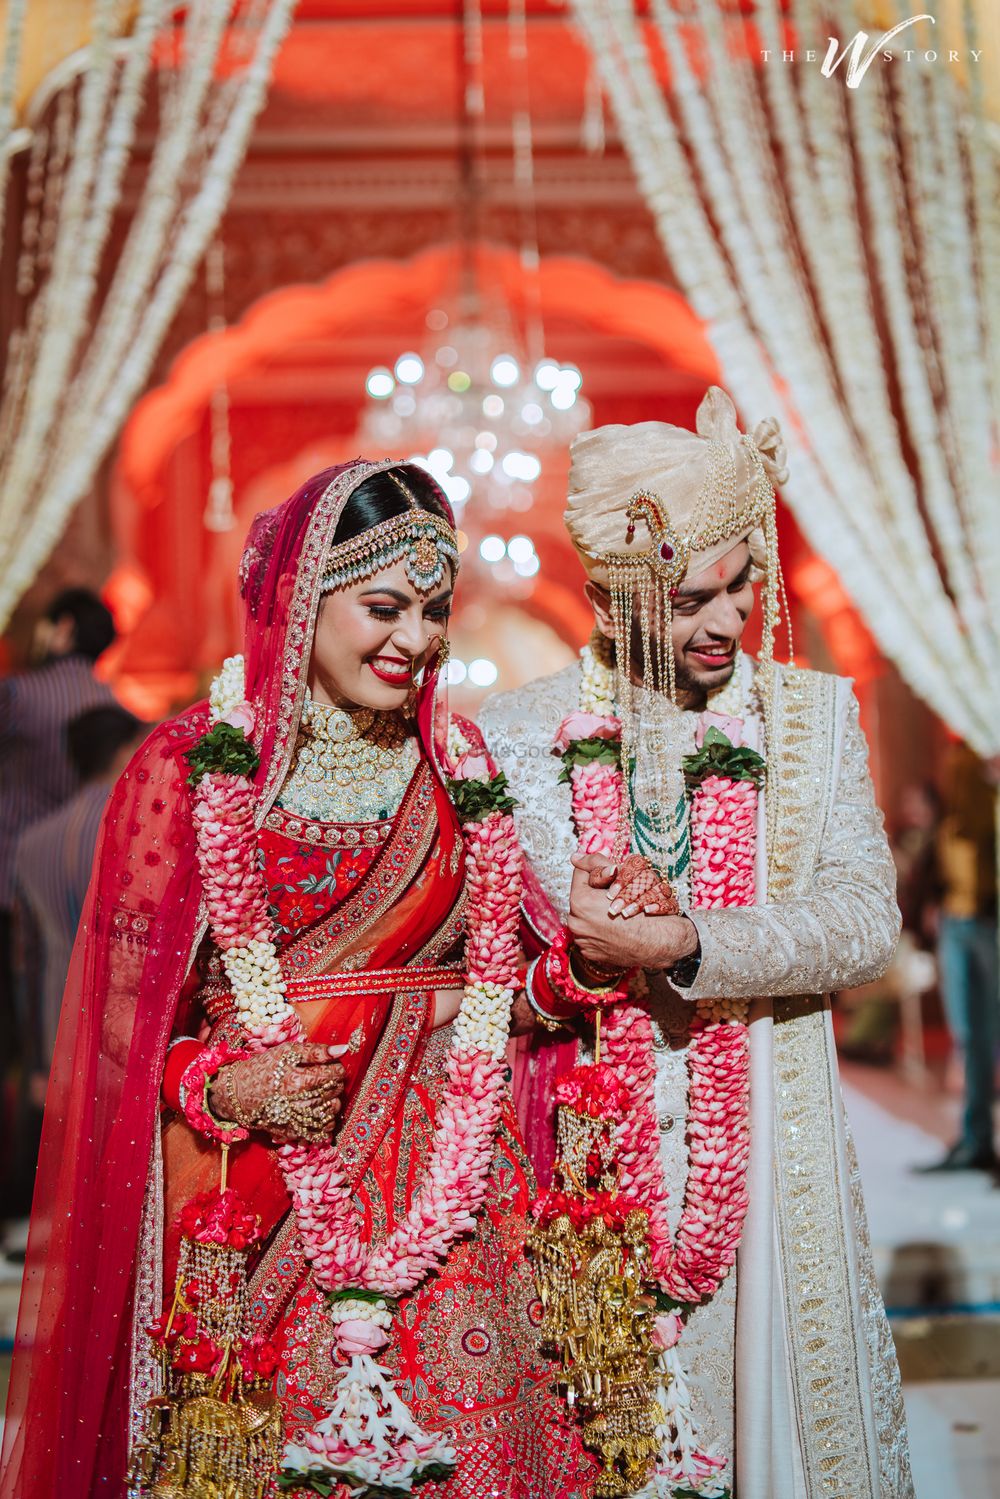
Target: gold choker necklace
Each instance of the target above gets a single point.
(350, 766)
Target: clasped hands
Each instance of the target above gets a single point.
(291, 1092)
(614, 932)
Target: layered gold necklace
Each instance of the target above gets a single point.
(349, 766)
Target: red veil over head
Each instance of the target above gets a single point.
(67, 1426)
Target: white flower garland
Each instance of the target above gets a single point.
(42, 479)
(856, 501)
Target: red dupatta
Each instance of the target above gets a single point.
(66, 1430)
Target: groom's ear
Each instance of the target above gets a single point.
(600, 602)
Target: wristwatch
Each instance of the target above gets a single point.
(683, 973)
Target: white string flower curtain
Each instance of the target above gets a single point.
(842, 245)
(78, 363)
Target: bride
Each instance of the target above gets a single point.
(282, 1192)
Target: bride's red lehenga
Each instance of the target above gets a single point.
(118, 1164)
(466, 1350)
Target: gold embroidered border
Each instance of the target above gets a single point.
(821, 1313)
(145, 1378)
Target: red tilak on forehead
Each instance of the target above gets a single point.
(720, 571)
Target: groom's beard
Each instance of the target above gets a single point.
(690, 690)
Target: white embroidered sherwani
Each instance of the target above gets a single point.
(792, 1368)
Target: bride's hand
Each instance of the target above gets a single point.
(291, 1092)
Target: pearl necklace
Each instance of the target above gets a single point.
(349, 766)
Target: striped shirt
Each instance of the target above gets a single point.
(52, 869)
(36, 774)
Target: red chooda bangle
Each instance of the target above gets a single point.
(194, 1094)
(566, 989)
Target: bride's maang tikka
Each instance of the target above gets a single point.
(426, 542)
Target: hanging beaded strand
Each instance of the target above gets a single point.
(642, 585)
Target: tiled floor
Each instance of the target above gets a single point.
(936, 1240)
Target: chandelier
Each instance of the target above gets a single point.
(480, 407)
(474, 413)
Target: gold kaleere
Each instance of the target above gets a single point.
(591, 1262)
(216, 1431)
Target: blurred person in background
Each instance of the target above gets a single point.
(51, 873)
(967, 950)
(914, 852)
(879, 1012)
(37, 775)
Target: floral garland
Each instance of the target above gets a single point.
(690, 1265)
(380, 1448)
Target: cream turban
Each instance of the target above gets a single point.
(712, 485)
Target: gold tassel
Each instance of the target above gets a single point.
(216, 1433)
(596, 1316)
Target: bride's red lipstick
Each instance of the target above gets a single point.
(397, 678)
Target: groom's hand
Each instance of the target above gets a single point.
(641, 942)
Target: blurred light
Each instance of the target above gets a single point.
(380, 383)
(455, 672)
(504, 370)
(492, 548)
(521, 466)
(404, 403)
(482, 672)
(459, 381)
(481, 461)
(409, 369)
(493, 405)
(436, 320)
(563, 397)
(487, 440)
(461, 540)
(570, 375)
(456, 488)
(520, 548)
(528, 568)
(446, 356)
(547, 375)
(441, 459)
(532, 413)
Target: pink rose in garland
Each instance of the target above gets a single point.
(471, 767)
(578, 727)
(730, 728)
(355, 1336)
(589, 745)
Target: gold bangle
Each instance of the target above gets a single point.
(612, 977)
(550, 1022)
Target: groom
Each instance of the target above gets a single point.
(789, 1366)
